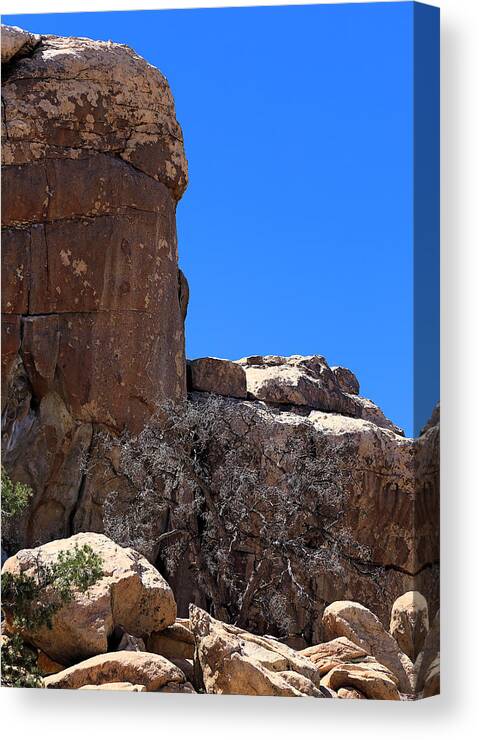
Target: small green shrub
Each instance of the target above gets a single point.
(15, 497)
(32, 601)
(19, 664)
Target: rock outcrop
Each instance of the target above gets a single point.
(389, 491)
(410, 622)
(213, 375)
(93, 307)
(130, 594)
(363, 628)
(153, 672)
(92, 301)
(232, 661)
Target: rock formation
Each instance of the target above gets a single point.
(93, 303)
(202, 654)
(93, 340)
(130, 594)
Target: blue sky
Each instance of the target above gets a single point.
(296, 231)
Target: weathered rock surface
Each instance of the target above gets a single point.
(362, 627)
(16, 43)
(372, 680)
(153, 672)
(131, 593)
(176, 641)
(429, 655)
(309, 381)
(329, 655)
(115, 686)
(391, 490)
(410, 622)
(92, 300)
(213, 375)
(432, 681)
(232, 661)
(347, 381)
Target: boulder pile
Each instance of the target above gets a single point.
(157, 652)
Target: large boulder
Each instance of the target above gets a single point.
(309, 381)
(410, 622)
(213, 375)
(176, 641)
(153, 672)
(372, 680)
(328, 655)
(362, 627)
(229, 660)
(93, 168)
(130, 594)
(16, 43)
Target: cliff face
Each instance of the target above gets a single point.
(93, 311)
(92, 324)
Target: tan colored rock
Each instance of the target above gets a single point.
(16, 43)
(297, 381)
(47, 666)
(430, 651)
(131, 593)
(328, 655)
(144, 669)
(432, 682)
(233, 661)
(410, 623)
(115, 686)
(348, 692)
(176, 641)
(368, 411)
(361, 626)
(370, 679)
(213, 375)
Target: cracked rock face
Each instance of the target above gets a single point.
(92, 301)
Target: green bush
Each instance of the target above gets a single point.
(32, 601)
(15, 497)
(19, 664)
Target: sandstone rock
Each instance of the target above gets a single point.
(47, 666)
(115, 686)
(432, 682)
(131, 593)
(232, 661)
(390, 502)
(212, 375)
(176, 641)
(297, 381)
(130, 642)
(309, 381)
(361, 626)
(94, 165)
(347, 692)
(16, 43)
(368, 411)
(428, 654)
(347, 381)
(370, 679)
(410, 622)
(328, 655)
(152, 672)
